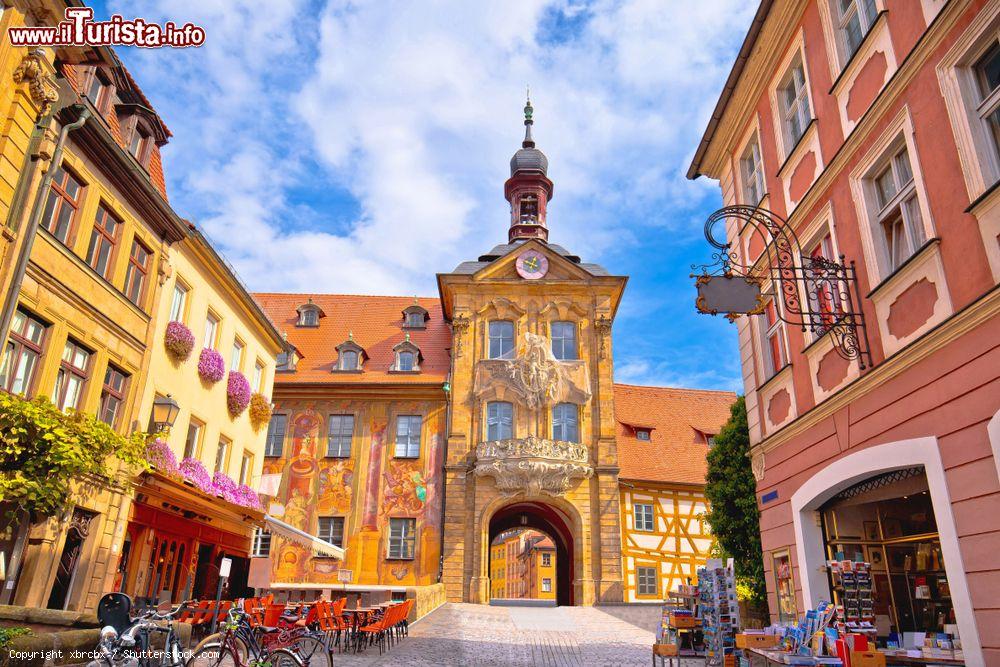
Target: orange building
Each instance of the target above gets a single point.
(538, 567)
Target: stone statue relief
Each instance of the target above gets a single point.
(536, 376)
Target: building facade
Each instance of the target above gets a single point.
(664, 435)
(868, 130)
(538, 568)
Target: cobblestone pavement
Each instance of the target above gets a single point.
(469, 634)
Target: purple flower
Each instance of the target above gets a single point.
(161, 457)
(211, 367)
(178, 340)
(237, 393)
(195, 472)
(247, 497)
(225, 486)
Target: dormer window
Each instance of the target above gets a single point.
(309, 314)
(139, 144)
(407, 357)
(642, 434)
(141, 129)
(285, 361)
(415, 317)
(99, 90)
(350, 356)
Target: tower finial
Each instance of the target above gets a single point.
(528, 121)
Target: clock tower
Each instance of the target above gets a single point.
(531, 439)
(528, 189)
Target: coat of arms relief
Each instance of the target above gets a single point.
(538, 380)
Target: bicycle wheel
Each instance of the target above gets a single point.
(282, 657)
(216, 640)
(214, 655)
(311, 651)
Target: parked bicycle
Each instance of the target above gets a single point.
(241, 645)
(126, 642)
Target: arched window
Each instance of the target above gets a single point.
(564, 340)
(310, 318)
(529, 208)
(349, 360)
(499, 420)
(566, 422)
(404, 361)
(501, 340)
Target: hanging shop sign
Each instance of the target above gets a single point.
(814, 292)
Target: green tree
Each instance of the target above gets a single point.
(731, 492)
(43, 450)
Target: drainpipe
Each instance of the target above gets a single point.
(444, 465)
(24, 253)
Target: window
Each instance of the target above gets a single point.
(405, 361)
(415, 319)
(64, 199)
(192, 443)
(854, 19)
(824, 295)
(236, 358)
(499, 420)
(774, 342)
(331, 529)
(339, 436)
(72, 376)
(752, 173)
(564, 340)
(261, 543)
(258, 376)
(349, 360)
(102, 241)
(178, 302)
(211, 330)
(546, 560)
(642, 434)
(99, 91)
(898, 220)
(645, 580)
(246, 468)
(112, 395)
(135, 274)
(310, 318)
(408, 436)
(987, 74)
(276, 435)
(402, 538)
(501, 340)
(222, 453)
(711, 441)
(793, 100)
(643, 516)
(546, 584)
(565, 423)
(138, 144)
(24, 349)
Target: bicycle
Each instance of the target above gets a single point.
(131, 647)
(240, 645)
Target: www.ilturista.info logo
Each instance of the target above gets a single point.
(80, 29)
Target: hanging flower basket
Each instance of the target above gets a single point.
(161, 457)
(237, 393)
(194, 472)
(225, 487)
(247, 497)
(178, 340)
(260, 411)
(211, 367)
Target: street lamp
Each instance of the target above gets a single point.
(165, 410)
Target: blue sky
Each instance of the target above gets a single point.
(361, 147)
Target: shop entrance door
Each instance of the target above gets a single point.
(76, 536)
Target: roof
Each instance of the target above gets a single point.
(498, 251)
(749, 42)
(374, 322)
(679, 419)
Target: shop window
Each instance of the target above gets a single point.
(331, 529)
(112, 395)
(645, 580)
(74, 371)
(501, 344)
(62, 204)
(339, 436)
(402, 539)
(643, 516)
(784, 587)
(752, 173)
(408, 436)
(897, 221)
(276, 435)
(793, 101)
(888, 522)
(261, 543)
(103, 239)
(566, 422)
(564, 340)
(499, 420)
(24, 350)
(137, 271)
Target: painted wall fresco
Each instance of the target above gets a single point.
(367, 489)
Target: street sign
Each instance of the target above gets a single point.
(345, 576)
(728, 294)
(225, 567)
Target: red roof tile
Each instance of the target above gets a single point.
(679, 419)
(376, 324)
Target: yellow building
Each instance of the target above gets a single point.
(664, 435)
(83, 330)
(498, 569)
(538, 566)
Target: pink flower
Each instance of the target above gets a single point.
(247, 497)
(225, 486)
(237, 393)
(195, 472)
(178, 340)
(161, 457)
(211, 367)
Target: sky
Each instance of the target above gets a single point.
(361, 147)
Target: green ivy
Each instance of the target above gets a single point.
(42, 450)
(7, 635)
(732, 495)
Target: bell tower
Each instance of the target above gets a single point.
(528, 189)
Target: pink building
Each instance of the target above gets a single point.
(873, 128)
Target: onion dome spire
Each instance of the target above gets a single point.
(528, 189)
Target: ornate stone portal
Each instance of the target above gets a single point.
(533, 465)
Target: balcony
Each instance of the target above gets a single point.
(533, 466)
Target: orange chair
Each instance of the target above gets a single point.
(272, 615)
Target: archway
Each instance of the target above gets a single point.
(548, 520)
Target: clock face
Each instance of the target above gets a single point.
(532, 265)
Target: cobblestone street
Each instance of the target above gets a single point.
(468, 634)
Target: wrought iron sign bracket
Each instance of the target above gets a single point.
(815, 293)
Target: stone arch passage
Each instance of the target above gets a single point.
(546, 519)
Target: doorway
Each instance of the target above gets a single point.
(542, 519)
(69, 560)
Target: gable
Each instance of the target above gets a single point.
(505, 267)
